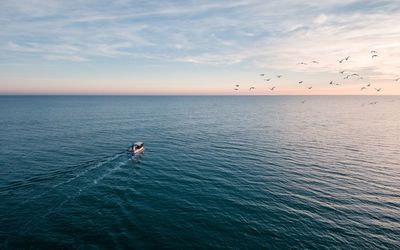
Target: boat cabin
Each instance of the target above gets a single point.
(136, 147)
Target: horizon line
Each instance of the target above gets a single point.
(228, 95)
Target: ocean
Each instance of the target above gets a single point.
(225, 172)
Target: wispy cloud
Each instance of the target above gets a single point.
(269, 35)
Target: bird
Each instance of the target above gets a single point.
(363, 88)
(251, 88)
(374, 52)
(279, 76)
(354, 74)
(272, 89)
(316, 62)
(341, 60)
(378, 89)
(267, 79)
(236, 89)
(262, 74)
(347, 77)
(341, 72)
(375, 55)
(310, 87)
(397, 79)
(347, 58)
(337, 84)
(237, 85)
(300, 82)
(372, 103)
(369, 85)
(302, 63)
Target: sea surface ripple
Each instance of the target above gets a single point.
(217, 172)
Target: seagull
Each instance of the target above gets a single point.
(363, 88)
(340, 61)
(251, 88)
(354, 74)
(331, 83)
(302, 63)
(262, 74)
(236, 89)
(397, 79)
(237, 85)
(378, 89)
(310, 87)
(369, 85)
(337, 84)
(300, 82)
(279, 76)
(316, 62)
(373, 56)
(267, 79)
(347, 58)
(272, 89)
(374, 52)
(341, 72)
(347, 77)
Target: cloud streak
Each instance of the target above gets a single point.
(266, 35)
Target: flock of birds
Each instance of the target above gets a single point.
(373, 54)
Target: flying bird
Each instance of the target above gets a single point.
(369, 85)
(310, 87)
(331, 83)
(347, 58)
(378, 89)
(363, 88)
(341, 60)
(302, 63)
(300, 82)
(262, 74)
(337, 84)
(267, 79)
(341, 72)
(279, 76)
(374, 52)
(397, 79)
(237, 85)
(272, 89)
(355, 74)
(251, 88)
(373, 56)
(236, 89)
(347, 77)
(316, 62)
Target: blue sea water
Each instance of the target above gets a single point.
(317, 172)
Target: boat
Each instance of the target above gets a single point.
(136, 148)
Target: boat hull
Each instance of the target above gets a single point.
(138, 151)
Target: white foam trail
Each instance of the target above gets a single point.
(51, 210)
(100, 164)
(109, 172)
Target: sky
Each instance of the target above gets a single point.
(199, 47)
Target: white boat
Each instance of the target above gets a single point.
(136, 148)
